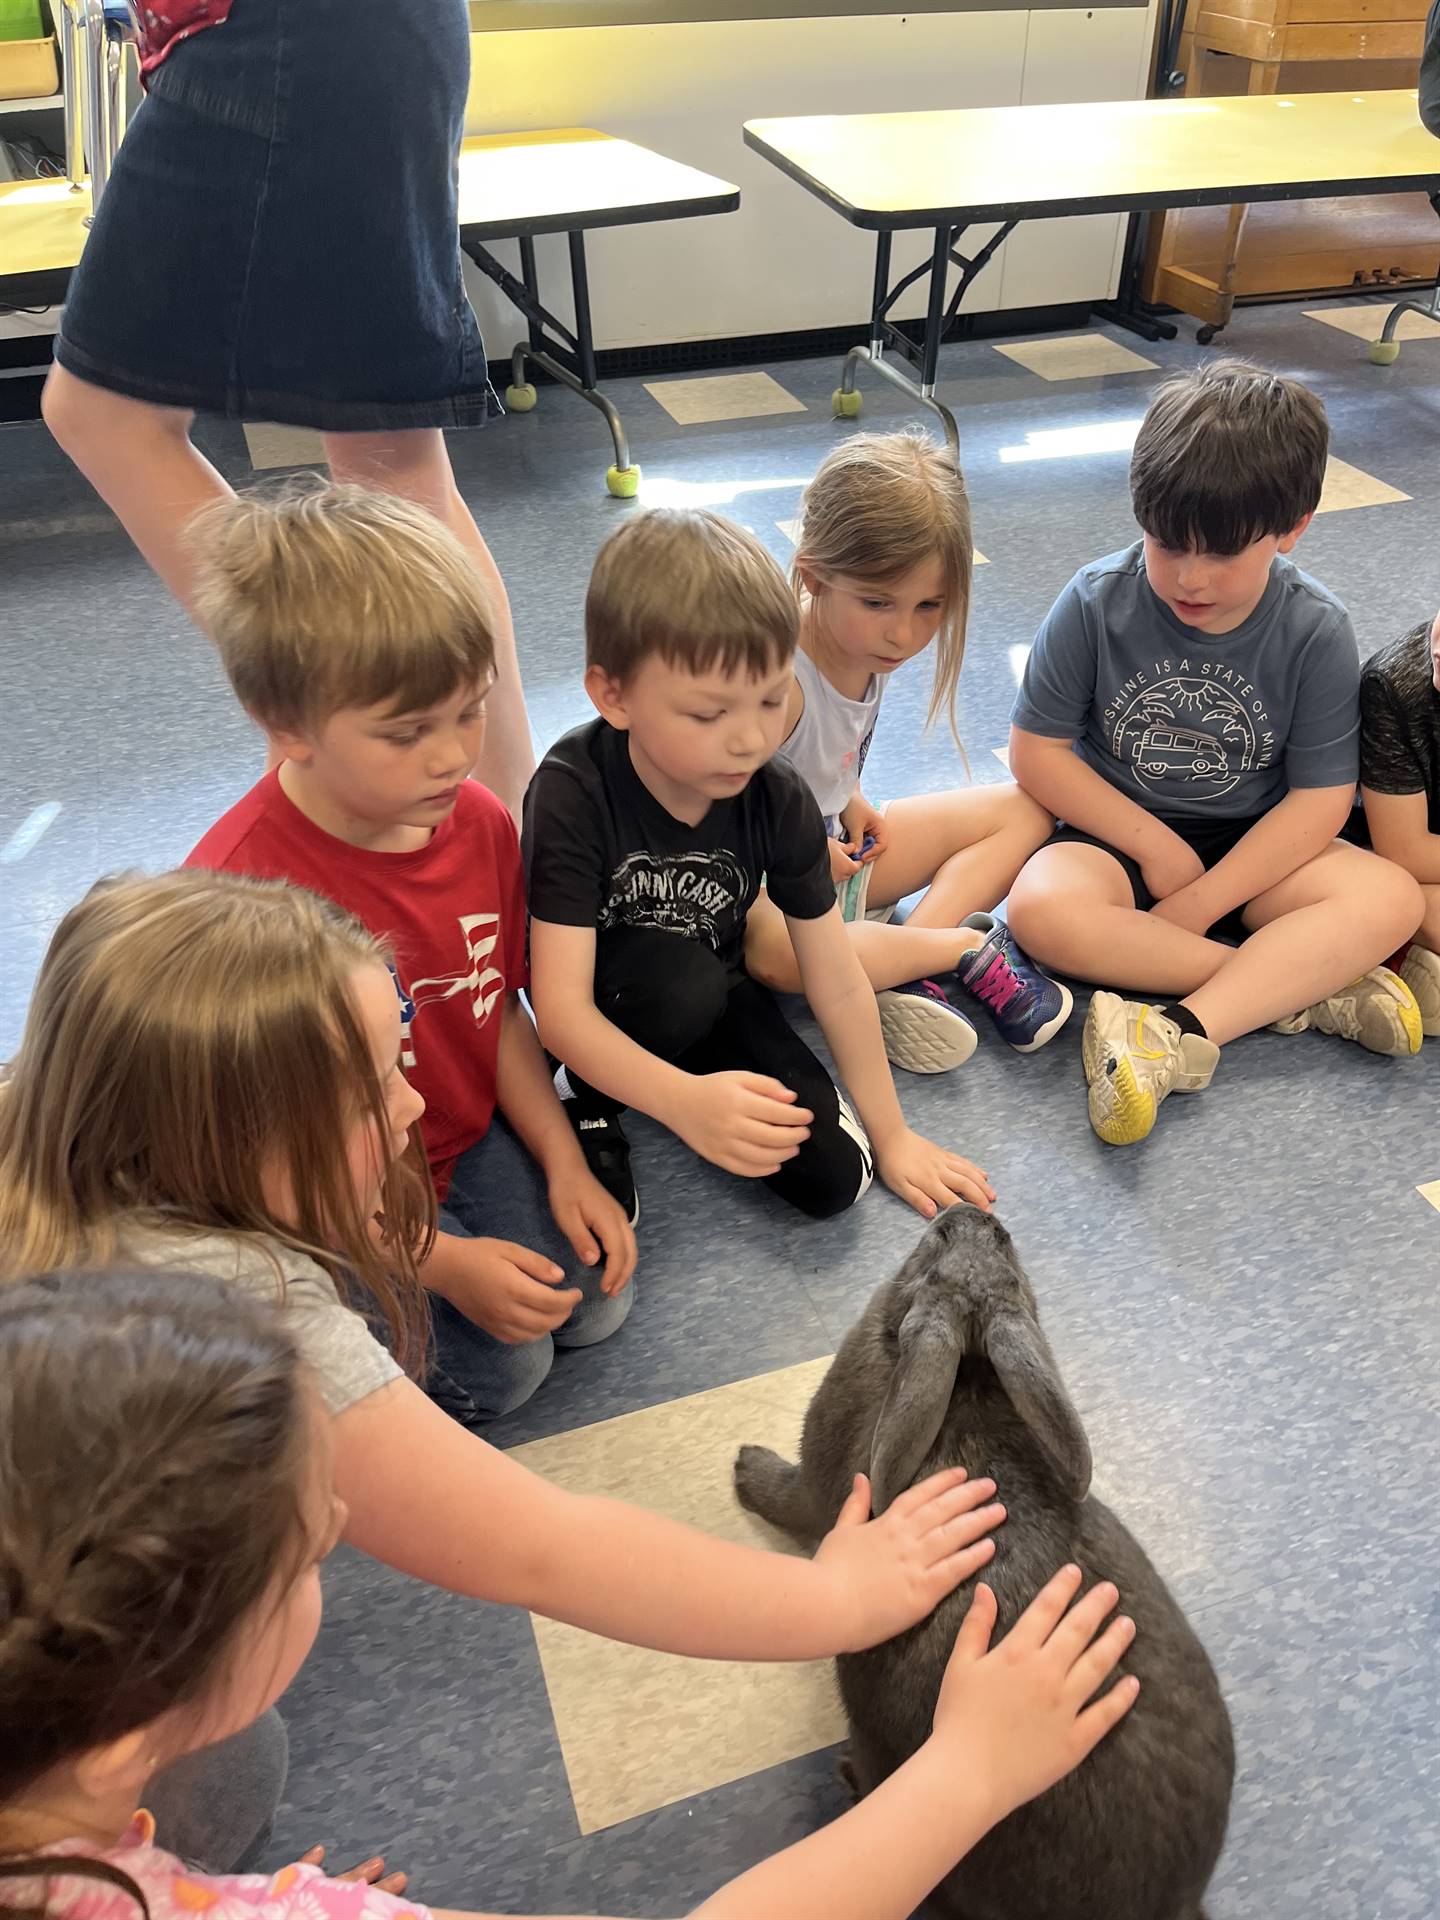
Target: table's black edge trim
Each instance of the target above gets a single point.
(45, 287)
(639, 215)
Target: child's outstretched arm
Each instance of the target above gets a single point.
(441, 1504)
(1011, 1721)
(1400, 831)
(926, 1176)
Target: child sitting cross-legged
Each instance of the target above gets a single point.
(1190, 713)
(882, 570)
(647, 835)
(355, 631)
(167, 1497)
(1400, 786)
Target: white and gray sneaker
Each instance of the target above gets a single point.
(1135, 1057)
(1378, 1010)
(1420, 970)
(923, 1032)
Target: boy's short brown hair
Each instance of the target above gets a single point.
(1226, 455)
(321, 597)
(695, 589)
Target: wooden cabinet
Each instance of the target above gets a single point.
(1202, 260)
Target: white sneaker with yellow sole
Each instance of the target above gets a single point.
(1378, 1011)
(1420, 970)
(1135, 1057)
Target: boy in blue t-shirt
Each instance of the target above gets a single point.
(1190, 715)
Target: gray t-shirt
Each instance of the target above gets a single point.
(334, 1341)
(1188, 724)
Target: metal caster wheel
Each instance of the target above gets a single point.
(623, 482)
(845, 406)
(1384, 353)
(521, 399)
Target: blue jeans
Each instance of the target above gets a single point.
(498, 1191)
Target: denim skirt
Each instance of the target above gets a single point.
(279, 238)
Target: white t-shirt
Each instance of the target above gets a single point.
(831, 738)
(333, 1340)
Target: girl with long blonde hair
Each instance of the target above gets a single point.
(209, 1083)
(883, 566)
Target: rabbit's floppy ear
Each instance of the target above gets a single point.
(915, 1406)
(1021, 1357)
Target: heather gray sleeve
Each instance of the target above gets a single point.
(1058, 689)
(1324, 745)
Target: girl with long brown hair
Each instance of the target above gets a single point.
(166, 1499)
(209, 1082)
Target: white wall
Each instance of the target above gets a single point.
(784, 262)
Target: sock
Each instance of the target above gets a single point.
(1184, 1019)
(1399, 957)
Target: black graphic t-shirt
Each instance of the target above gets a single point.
(1194, 725)
(601, 851)
(1400, 721)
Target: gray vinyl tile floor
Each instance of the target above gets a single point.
(1245, 1309)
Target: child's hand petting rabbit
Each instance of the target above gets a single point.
(1016, 1712)
(892, 1572)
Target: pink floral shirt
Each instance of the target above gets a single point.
(165, 23)
(175, 1893)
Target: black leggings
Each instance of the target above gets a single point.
(673, 997)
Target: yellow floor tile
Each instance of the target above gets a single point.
(641, 1730)
(1346, 486)
(1364, 323)
(723, 396)
(1078, 356)
(272, 446)
(1431, 1192)
(791, 531)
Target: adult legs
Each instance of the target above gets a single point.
(142, 462)
(416, 464)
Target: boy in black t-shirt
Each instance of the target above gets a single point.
(1400, 784)
(647, 834)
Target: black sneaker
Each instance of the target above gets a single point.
(607, 1154)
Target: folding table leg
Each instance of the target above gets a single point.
(567, 357)
(1386, 350)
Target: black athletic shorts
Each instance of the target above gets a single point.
(1210, 839)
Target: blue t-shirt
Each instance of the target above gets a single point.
(1192, 724)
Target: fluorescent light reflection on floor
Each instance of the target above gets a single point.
(27, 834)
(1067, 443)
(714, 493)
(1018, 657)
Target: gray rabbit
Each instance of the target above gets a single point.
(947, 1366)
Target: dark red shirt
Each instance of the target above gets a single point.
(165, 23)
(453, 914)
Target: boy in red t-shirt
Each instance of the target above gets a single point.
(356, 632)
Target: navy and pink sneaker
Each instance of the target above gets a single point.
(1026, 1005)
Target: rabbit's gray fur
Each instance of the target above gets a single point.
(947, 1366)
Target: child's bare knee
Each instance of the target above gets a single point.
(773, 964)
(1399, 901)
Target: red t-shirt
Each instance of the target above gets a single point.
(165, 23)
(453, 913)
